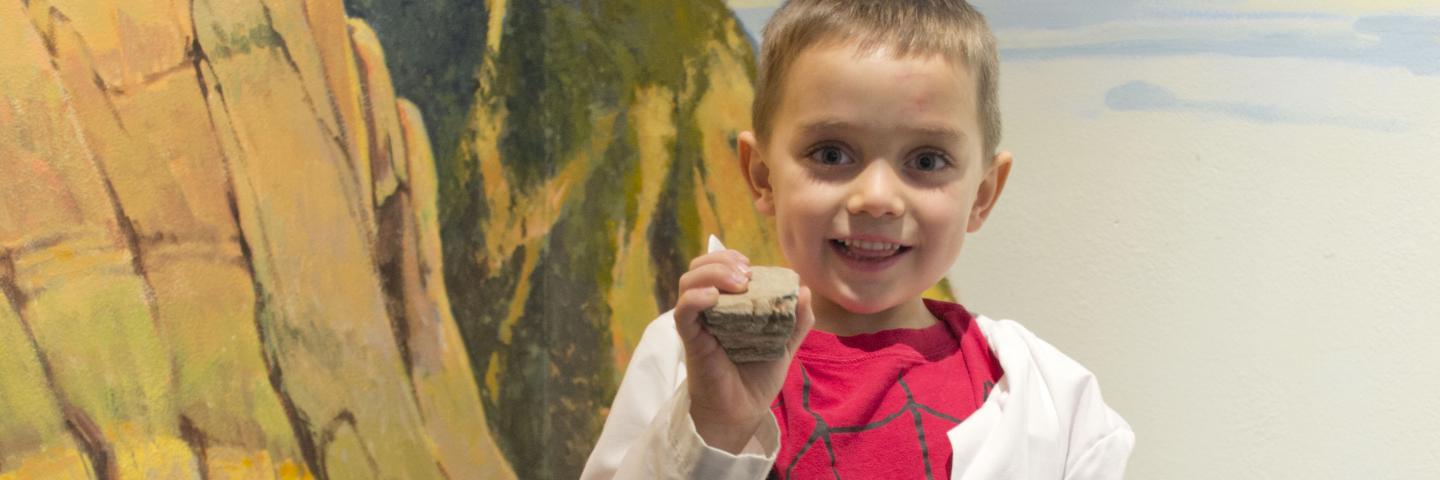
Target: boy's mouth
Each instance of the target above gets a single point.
(867, 251)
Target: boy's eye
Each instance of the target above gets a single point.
(930, 161)
(830, 156)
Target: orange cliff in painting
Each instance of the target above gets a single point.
(219, 251)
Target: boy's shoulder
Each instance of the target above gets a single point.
(1007, 339)
(1018, 347)
(1047, 408)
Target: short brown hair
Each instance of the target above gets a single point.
(951, 28)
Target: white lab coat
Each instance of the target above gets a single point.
(1045, 419)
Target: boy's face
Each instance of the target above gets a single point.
(874, 172)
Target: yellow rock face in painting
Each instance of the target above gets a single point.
(219, 254)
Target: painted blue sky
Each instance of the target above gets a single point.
(1388, 34)
(1374, 33)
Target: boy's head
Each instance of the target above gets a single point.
(949, 28)
(876, 146)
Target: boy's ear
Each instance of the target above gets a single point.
(990, 188)
(757, 173)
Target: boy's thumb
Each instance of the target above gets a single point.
(804, 321)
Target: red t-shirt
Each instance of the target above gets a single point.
(877, 405)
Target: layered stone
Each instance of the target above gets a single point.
(755, 325)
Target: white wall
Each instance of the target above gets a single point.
(1259, 294)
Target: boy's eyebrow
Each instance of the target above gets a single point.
(940, 132)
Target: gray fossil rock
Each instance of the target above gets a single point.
(755, 325)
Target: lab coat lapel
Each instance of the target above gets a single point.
(1016, 432)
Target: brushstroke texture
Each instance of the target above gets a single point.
(197, 202)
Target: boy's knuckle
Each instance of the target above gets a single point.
(687, 304)
(706, 259)
(702, 275)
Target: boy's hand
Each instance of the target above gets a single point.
(728, 401)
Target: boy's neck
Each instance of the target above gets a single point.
(833, 318)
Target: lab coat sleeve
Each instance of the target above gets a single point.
(1045, 419)
(1105, 459)
(1100, 441)
(649, 433)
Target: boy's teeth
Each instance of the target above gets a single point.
(864, 245)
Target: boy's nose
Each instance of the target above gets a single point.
(876, 192)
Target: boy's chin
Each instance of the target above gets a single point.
(861, 304)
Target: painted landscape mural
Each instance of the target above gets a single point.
(359, 239)
(220, 252)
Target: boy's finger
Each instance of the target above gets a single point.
(804, 321)
(687, 311)
(727, 278)
(723, 256)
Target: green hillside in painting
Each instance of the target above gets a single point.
(595, 153)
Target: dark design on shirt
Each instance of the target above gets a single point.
(823, 430)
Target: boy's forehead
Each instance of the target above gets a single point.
(832, 87)
(856, 51)
(816, 65)
(939, 131)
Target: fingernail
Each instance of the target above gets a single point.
(744, 269)
(739, 279)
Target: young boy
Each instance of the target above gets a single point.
(876, 125)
